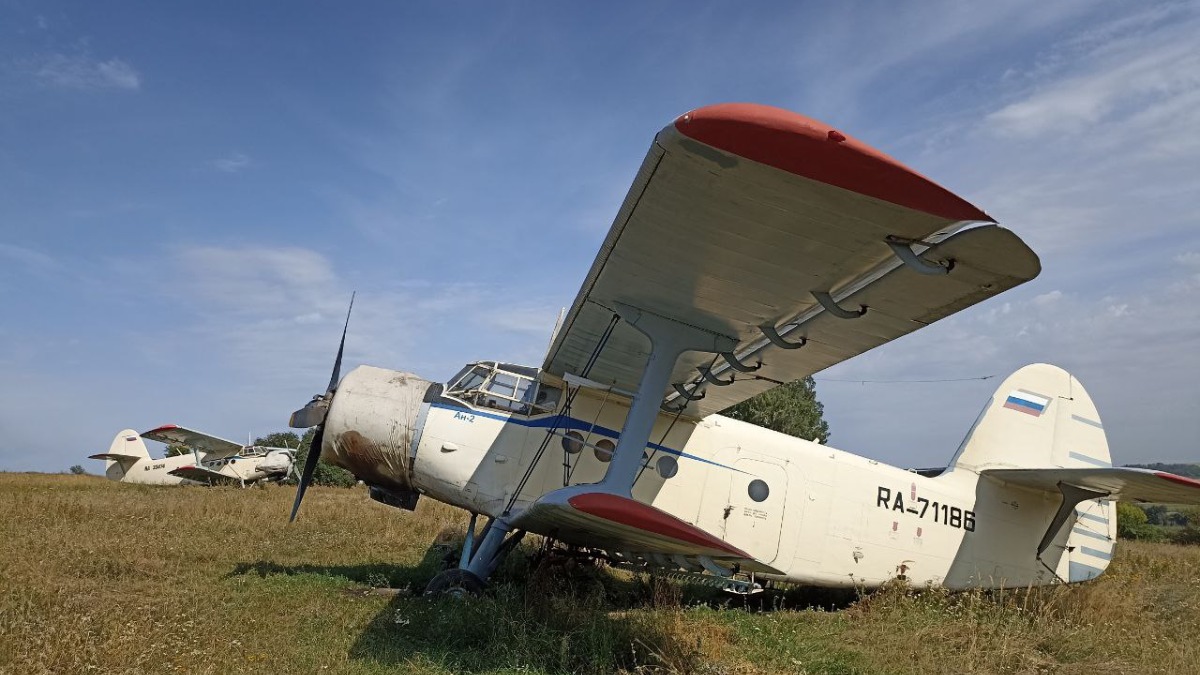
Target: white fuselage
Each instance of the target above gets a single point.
(826, 517)
(151, 471)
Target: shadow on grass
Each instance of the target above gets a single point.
(546, 615)
(379, 575)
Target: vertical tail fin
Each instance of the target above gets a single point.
(126, 449)
(1040, 417)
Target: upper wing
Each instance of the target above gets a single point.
(1125, 484)
(203, 475)
(210, 445)
(738, 215)
(632, 529)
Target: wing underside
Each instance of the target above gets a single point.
(212, 446)
(634, 531)
(203, 475)
(741, 219)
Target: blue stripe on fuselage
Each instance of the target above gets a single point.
(571, 423)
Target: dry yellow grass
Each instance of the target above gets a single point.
(104, 577)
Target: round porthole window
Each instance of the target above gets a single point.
(604, 450)
(573, 442)
(666, 466)
(758, 490)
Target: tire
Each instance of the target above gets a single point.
(457, 582)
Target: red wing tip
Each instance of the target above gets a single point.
(165, 427)
(1182, 480)
(810, 148)
(632, 513)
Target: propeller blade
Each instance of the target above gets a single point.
(310, 467)
(312, 414)
(337, 364)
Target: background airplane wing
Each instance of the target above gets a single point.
(210, 445)
(738, 214)
(1124, 484)
(203, 475)
(634, 530)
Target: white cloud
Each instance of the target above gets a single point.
(1140, 70)
(231, 164)
(82, 72)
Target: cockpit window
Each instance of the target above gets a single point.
(495, 385)
(472, 379)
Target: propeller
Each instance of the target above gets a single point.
(313, 414)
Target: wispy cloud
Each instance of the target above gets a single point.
(27, 257)
(231, 164)
(82, 72)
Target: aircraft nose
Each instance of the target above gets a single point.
(372, 422)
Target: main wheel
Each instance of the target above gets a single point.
(457, 582)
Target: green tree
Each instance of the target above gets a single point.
(791, 409)
(78, 470)
(325, 473)
(173, 450)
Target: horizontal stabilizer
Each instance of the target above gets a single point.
(1124, 484)
(619, 524)
(116, 457)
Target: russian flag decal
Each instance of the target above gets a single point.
(1027, 402)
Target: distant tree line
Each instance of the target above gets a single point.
(1159, 522)
(1189, 470)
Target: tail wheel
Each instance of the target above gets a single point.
(457, 583)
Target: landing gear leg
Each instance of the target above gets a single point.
(477, 563)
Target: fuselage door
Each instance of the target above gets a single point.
(752, 515)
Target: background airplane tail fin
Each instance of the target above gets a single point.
(126, 449)
(1039, 417)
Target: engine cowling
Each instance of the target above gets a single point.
(373, 420)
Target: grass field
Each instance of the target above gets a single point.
(102, 577)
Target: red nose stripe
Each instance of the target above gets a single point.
(628, 512)
(814, 150)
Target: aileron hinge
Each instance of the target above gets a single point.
(777, 339)
(685, 394)
(733, 362)
(708, 375)
(832, 307)
(904, 252)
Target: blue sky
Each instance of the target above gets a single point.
(188, 195)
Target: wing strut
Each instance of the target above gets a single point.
(668, 340)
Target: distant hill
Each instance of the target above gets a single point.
(1189, 470)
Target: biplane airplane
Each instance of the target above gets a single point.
(755, 247)
(212, 461)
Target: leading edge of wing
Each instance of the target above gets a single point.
(619, 524)
(1122, 483)
(810, 148)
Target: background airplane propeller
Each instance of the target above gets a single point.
(313, 414)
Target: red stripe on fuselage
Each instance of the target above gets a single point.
(812, 149)
(625, 511)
